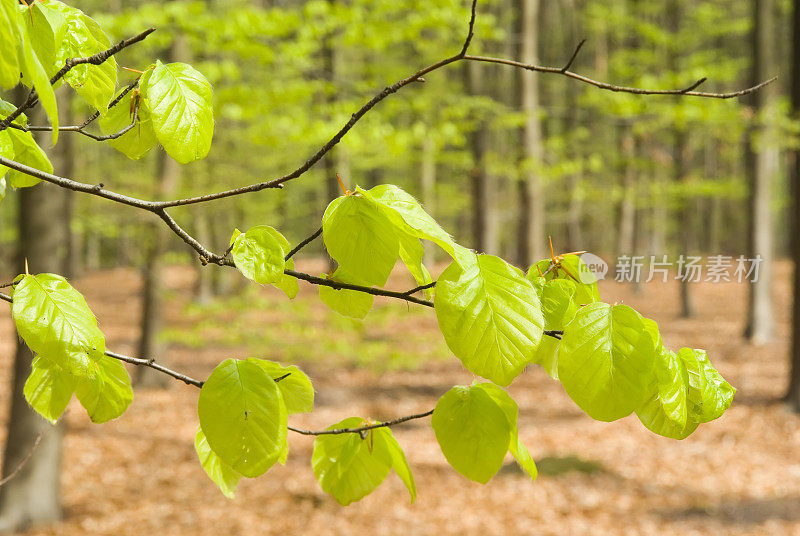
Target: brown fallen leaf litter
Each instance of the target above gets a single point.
(738, 475)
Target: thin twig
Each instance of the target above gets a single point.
(302, 244)
(361, 429)
(574, 55)
(25, 459)
(156, 366)
(419, 288)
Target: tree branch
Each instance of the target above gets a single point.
(302, 244)
(361, 429)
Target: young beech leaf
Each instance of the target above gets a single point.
(48, 388)
(348, 303)
(709, 394)
(34, 73)
(9, 40)
(573, 269)
(511, 411)
(665, 411)
(259, 254)
(605, 360)
(296, 388)
(217, 470)
(473, 432)
(243, 416)
(107, 393)
(411, 253)
(408, 216)
(360, 237)
(490, 316)
(347, 466)
(180, 102)
(27, 152)
(559, 308)
(384, 445)
(55, 322)
(136, 142)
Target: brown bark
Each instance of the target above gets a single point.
(762, 164)
(793, 393)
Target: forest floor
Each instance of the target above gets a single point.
(140, 475)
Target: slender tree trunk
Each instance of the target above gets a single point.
(479, 178)
(793, 393)
(428, 189)
(687, 227)
(531, 231)
(627, 209)
(34, 495)
(63, 159)
(204, 288)
(762, 164)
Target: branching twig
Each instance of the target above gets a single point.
(303, 244)
(361, 429)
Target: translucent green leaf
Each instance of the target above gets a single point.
(27, 152)
(407, 214)
(473, 432)
(138, 141)
(709, 394)
(107, 393)
(605, 360)
(490, 316)
(55, 322)
(411, 253)
(6, 108)
(2, 188)
(571, 268)
(9, 40)
(48, 389)
(35, 75)
(258, 254)
(345, 465)
(559, 308)
(43, 36)
(350, 303)
(296, 388)
(77, 36)
(243, 415)
(361, 239)
(511, 411)
(217, 470)
(666, 408)
(385, 445)
(6, 149)
(180, 101)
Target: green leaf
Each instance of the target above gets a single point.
(35, 75)
(27, 152)
(9, 40)
(296, 389)
(411, 253)
(385, 445)
(2, 188)
(511, 411)
(243, 415)
(345, 465)
(55, 322)
(573, 269)
(490, 316)
(258, 254)
(666, 409)
(361, 239)
(350, 303)
(180, 101)
(6, 108)
(605, 360)
(407, 214)
(48, 389)
(138, 141)
(79, 36)
(107, 393)
(709, 394)
(559, 308)
(473, 432)
(217, 470)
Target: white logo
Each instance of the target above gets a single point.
(597, 267)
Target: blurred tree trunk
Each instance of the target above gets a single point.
(331, 161)
(575, 239)
(168, 174)
(34, 495)
(63, 159)
(480, 186)
(428, 189)
(762, 166)
(204, 286)
(531, 230)
(627, 209)
(793, 394)
(686, 224)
